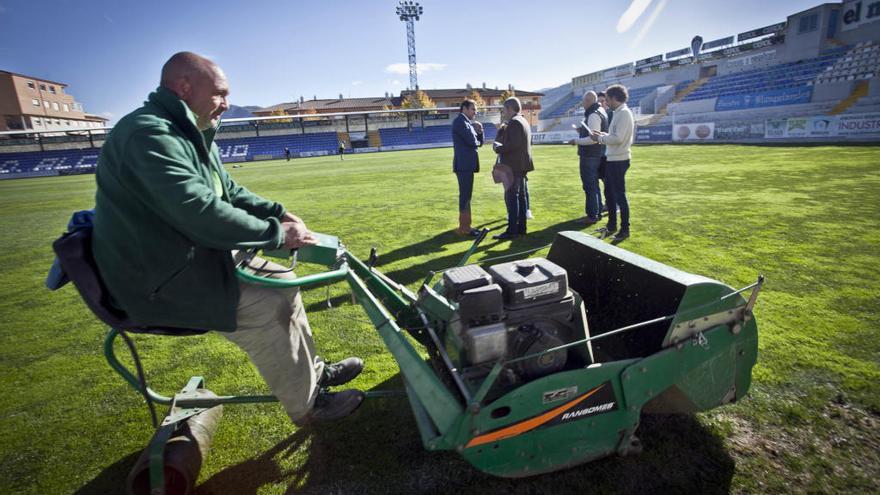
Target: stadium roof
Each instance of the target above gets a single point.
(464, 92)
(335, 104)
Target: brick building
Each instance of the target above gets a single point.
(32, 103)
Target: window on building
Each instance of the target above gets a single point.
(36, 102)
(52, 89)
(55, 106)
(808, 23)
(37, 121)
(66, 107)
(46, 104)
(31, 85)
(42, 87)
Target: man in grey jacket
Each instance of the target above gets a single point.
(590, 154)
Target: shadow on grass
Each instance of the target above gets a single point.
(378, 450)
(112, 479)
(488, 248)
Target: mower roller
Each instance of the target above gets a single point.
(534, 365)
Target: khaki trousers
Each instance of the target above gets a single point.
(272, 328)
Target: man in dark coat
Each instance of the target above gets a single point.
(516, 153)
(467, 137)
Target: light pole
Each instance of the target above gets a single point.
(409, 12)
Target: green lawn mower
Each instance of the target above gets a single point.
(534, 365)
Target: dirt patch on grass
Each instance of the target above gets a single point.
(838, 450)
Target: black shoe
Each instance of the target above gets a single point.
(588, 220)
(474, 233)
(505, 236)
(342, 372)
(332, 405)
(623, 234)
(610, 228)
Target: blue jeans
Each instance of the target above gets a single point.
(465, 190)
(515, 200)
(615, 186)
(590, 182)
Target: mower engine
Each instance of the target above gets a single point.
(512, 310)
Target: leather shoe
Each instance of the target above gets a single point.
(342, 372)
(332, 405)
(505, 236)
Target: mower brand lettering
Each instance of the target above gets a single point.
(540, 290)
(587, 411)
(558, 395)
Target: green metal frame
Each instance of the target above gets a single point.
(708, 362)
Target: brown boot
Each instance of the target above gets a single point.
(464, 223)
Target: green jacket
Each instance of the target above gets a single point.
(163, 230)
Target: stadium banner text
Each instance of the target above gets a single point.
(754, 33)
(719, 42)
(654, 133)
(678, 53)
(555, 137)
(586, 79)
(650, 60)
(858, 13)
(694, 132)
(770, 98)
(823, 126)
(739, 130)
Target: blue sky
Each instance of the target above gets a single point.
(111, 52)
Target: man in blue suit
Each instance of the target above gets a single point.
(467, 137)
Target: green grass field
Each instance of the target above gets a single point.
(808, 218)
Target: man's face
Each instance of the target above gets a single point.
(587, 102)
(602, 102)
(470, 112)
(614, 104)
(207, 98)
(507, 112)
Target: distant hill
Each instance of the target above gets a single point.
(237, 112)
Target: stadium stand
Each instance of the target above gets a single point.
(48, 163)
(272, 147)
(813, 77)
(441, 134)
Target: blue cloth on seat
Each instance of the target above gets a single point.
(83, 219)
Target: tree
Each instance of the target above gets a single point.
(507, 93)
(280, 111)
(478, 100)
(309, 111)
(418, 99)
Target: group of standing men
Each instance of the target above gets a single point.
(513, 144)
(605, 138)
(604, 142)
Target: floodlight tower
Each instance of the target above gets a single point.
(409, 12)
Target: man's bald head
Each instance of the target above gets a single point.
(186, 65)
(200, 83)
(589, 98)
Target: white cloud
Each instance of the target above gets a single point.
(403, 68)
(356, 83)
(108, 115)
(632, 14)
(395, 82)
(650, 22)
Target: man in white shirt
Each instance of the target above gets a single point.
(590, 154)
(618, 141)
